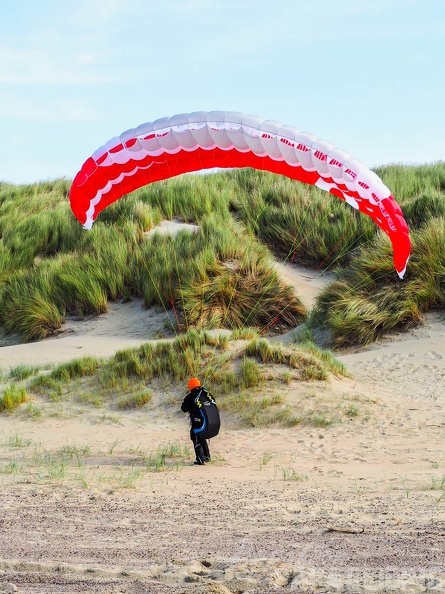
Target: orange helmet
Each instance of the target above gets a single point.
(194, 383)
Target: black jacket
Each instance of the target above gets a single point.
(189, 406)
(204, 419)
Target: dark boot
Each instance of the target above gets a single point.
(199, 453)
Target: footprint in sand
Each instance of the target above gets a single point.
(434, 355)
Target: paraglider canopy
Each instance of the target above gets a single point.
(204, 140)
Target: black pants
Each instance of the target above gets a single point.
(201, 446)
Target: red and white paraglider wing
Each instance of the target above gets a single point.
(204, 140)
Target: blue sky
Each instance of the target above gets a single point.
(366, 75)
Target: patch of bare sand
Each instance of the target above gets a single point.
(172, 227)
(308, 284)
(357, 506)
(125, 325)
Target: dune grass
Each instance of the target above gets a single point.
(21, 372)
(12, 397)
(301, 223)
(118, 468)
(45, 277)
(408, 182)
(366, 301)
(248, 376)
(221, 276)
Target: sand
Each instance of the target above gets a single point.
(355, 507)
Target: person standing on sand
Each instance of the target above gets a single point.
(204, 419)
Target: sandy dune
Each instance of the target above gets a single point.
(355, 507)
(125, 325)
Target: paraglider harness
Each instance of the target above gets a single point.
(206, 407)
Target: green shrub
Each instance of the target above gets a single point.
(423, 208)
(77, 286)
(12, 397)
(75, 368)
(225, 382)
(407, 182)
(33, 317)
(46, 385)
(266, 352)
(251, 373)
(258, 411)
(21, 372)
(367, 300)
(135, 400)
